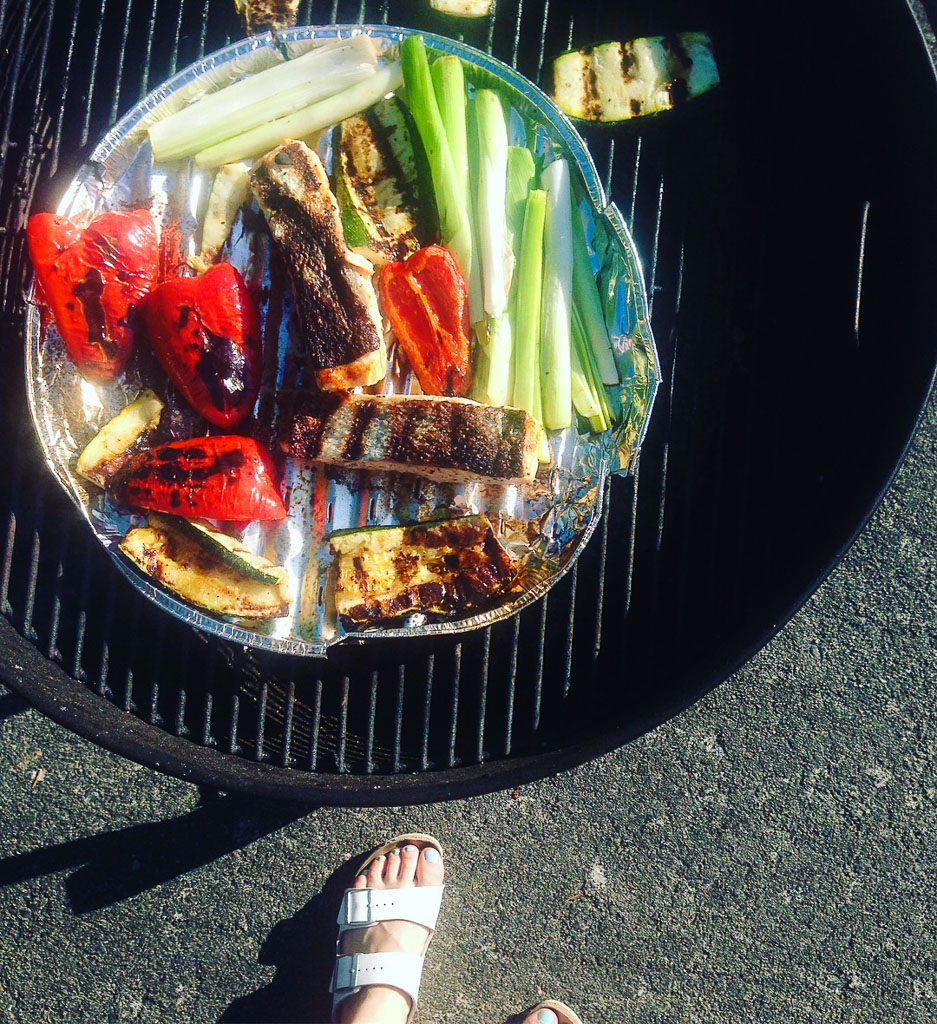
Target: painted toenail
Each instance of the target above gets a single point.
(410, 848)
(547, 1017)
(381, 859)
(396, 852)
(431, 855)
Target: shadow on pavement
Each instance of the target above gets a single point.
(11, 704)
(113, 866)
(302, 949)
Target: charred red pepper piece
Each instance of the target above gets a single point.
(92, 278)
(225, 477)
(425, 298)
(206, 333)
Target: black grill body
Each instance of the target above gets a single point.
(787, 227)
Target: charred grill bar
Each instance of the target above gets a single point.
(785, 404)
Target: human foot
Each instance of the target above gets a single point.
(398, 891)
(552, 1012)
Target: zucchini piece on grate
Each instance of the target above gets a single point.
(173, 557)
(444, 567)
(462, 8)
(618, 81)
(376, 202)
(106, 452)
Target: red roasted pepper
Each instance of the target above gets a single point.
(425, 298)
(206, 333)
(225, 477)
(92, 278)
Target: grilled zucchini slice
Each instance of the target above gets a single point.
(462, 8)
(618, 81)
(106, 452)
(226, 549)
(377, 209)
(445, 567)
(172, 557)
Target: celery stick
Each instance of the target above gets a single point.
(451, 198)
(588, 306)
(265, 96)
(527, 306)
(555, 382)
(305, 122)
(493, 245)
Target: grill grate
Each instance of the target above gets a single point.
(671, 590)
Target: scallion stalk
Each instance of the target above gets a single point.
(305, 122)
(265, 96)
(587, 306)
(490, 199)
(585, 390)
(527, 306)
(556, 304)
(451, 199)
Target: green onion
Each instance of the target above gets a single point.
(555, 382)
(265, 96)
(588, 395)
(305, 122)
(587, 307)
(493, 245)
(527, 306)
(451, 199)
(449, 89)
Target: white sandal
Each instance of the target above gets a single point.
(362, 908)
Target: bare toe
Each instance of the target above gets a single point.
(361, 881)
(392, 868)
(376, 873)
(545, 1016)
(429, 869)
(409, 856)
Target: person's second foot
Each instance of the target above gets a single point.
(554, 1013)
(405, 866)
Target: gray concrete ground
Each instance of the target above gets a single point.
(769, 856)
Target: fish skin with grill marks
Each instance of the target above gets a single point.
(448, 440)
(336, 304)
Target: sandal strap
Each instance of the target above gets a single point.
(354, 971)
(361, 908)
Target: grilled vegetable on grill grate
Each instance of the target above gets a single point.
(618, 81)
(445, 567)
(174, 558)
(107, 451)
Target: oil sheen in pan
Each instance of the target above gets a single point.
(544, 525)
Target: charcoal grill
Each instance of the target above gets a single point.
(788, 228)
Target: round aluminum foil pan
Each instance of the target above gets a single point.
(543, 525)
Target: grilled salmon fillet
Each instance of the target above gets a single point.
(335, 301)
(443, 439)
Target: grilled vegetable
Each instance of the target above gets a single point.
(229, 191)
(221, 477)
(426, 302)
(462, 8)
(205, 332)
(183, 565)
(556, 303)
(444, 439)
(92, 279)
(260, 15)
(617, 81)
(452, 201)
(258, 99)
(229, 551)
(335, 298)
(306, 121)
(106, 452)
(378, 211)
(448, 567)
